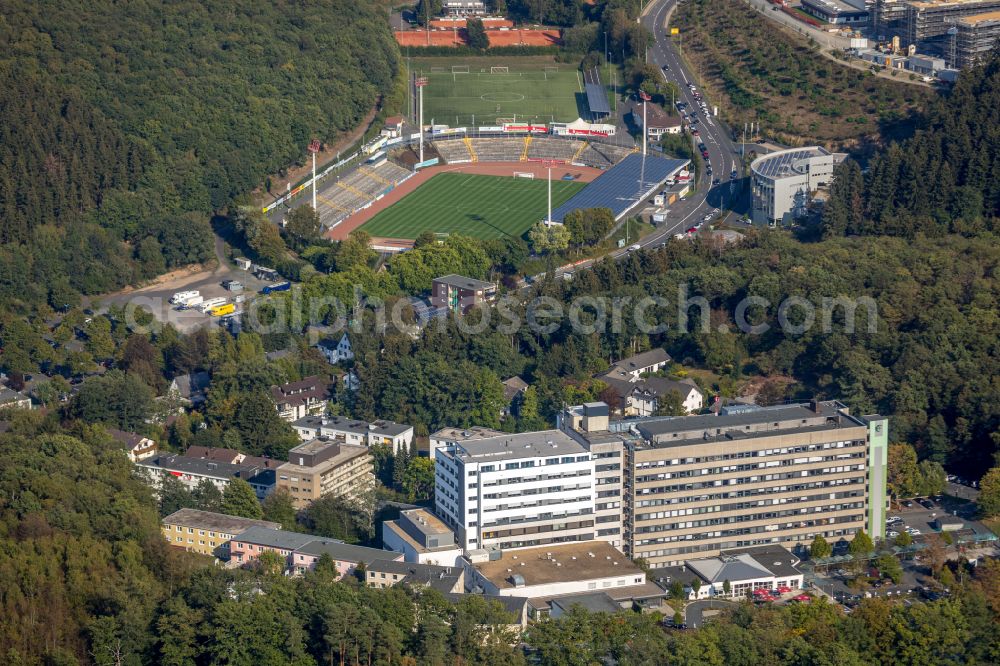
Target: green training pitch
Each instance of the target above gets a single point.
(478, 206)
(481, 98)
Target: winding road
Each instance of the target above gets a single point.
(723, 154)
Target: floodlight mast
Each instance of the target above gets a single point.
(314, 147)
(421, 82)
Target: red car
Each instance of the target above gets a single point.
(695, 132)
(802, 597)
(692, 230)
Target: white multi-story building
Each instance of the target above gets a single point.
(397, 436)
(783, 182)
(516, 490)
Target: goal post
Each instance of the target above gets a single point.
(524, 174)
(459, 69)
(500, 70)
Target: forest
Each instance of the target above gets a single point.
(126, 125)
(945, 179)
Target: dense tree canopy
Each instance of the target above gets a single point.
(127, 125)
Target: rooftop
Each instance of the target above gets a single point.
(582, 561)
(216, 522)
(272, 538)
(425, 521)
(465, 434)
(343, 424)
(542, 444)
(345, 452)
(776, 559)
(980, 18)
(440, 578)
(340, 551)
(752, 422)
(733, 568)
(463, 282)
(200, 467)
(593, 602)
(786, 162)
(643, 360)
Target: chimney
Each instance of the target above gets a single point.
(815, 406)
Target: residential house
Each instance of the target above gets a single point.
(461, 294)
(336, 351)
(645, 362)
(346, 557)
(516, 606)
(397, 436)
(512, 388)
(297, 399)
(136, 446)
(388, 573)
(190, 388)
(206, 532)
(658, 122)
(744, 569)
(640, 395)
(421, 537)
(11, 399)
(231, 456)
(326, 466)
(192, 471)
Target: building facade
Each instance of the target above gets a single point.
(302, 398)
(977, 37)
(206, 532)
(193, 471)
(421, 537)
(326, 467)
(783, 182)
(516, 490)
(461, 294)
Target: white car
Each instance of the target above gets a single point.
(893, 519)
(891, 534)
(912, 531)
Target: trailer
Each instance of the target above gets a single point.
(281, 286)
(212, 303)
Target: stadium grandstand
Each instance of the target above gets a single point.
(356, 189)
(508, 149)
(533, 148)
(623, 186)
(453, 151)
(563, 150)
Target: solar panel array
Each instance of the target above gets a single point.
(619, 188)
(597, 99)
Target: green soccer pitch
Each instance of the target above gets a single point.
(479, 98)
(478, 206)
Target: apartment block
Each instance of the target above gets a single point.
(927, 23)
(326, 466)
(978, 36)
(749, 476)
(460, 294)
(301, 552)
(193, 471)
(397, 436)
(297, 399)
(206, 532)
(514, 491)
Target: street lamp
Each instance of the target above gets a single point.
(314, 147)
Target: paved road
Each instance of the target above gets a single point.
(722, 152)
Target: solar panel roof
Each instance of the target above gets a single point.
(597, 99)
(619, 188)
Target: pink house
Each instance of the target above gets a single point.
(302, 551)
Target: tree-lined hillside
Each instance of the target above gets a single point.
(945, 179)
(125, 125)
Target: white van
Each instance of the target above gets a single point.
(184, 296)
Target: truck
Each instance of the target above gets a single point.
(212, 303)
(281, 286)
(191, 302)
(222, 310)
(182, 296)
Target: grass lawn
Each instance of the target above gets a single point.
(477, 206)
(532, 89)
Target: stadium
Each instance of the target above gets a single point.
(489, 181)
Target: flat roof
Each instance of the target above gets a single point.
(282, 539)
(592, 602)
(344, 552)
(200, 466)
(463, 282)
(356, 426)
(216, 522)
(541, 444)
(622, 186)
(580, 561)
(980, 18)
(782, 419)
(345, 452)
(425, 521)
(464, 434)
(785, 162)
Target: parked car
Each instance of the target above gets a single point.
(892, 534)
(907, 503)
(893, 519)
(692, 230)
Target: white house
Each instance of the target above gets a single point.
(744, 569)
(335, 352)
(398, 436)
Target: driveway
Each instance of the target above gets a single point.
(699, 612)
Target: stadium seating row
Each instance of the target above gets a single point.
(342, 196)
(509, 149)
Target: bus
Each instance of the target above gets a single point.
(222, 310)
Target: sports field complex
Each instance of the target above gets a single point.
(473, 205)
